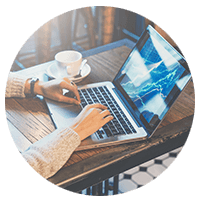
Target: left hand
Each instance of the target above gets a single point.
(54, 90)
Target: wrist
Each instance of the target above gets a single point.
(27, 87)
(76, 129)
(38, 88)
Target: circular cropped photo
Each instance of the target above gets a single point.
(99, 101)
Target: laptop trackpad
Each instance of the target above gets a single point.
(62, 113)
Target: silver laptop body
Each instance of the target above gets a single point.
(146, 86)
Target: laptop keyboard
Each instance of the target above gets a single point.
(120, 125)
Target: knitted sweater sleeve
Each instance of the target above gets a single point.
(50, 153)
(15, 85)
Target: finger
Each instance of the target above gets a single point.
(105, 113)
(99, 110)
(70, 82)
(74, 84)
(97, 105)
(66, 83)
(107, 119)
(72, 88)
(96, 112)
(66, 79)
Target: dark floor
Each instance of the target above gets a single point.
(52, 38)
(142, 174)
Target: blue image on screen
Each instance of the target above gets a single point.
(149, 76)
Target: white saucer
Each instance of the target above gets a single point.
(53, 73)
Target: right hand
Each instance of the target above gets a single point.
(91, 119)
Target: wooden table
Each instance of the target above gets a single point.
(29, 121)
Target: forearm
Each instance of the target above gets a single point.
(49, 154)
(15, 86)
(19, 86)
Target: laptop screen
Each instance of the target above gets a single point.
(151, 78)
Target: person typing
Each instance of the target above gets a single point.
(49, 154)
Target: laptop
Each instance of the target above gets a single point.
(146, 86)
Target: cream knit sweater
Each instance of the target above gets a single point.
(50, 153)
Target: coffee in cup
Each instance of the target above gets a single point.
(68, 62)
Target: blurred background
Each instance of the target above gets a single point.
(81, 30)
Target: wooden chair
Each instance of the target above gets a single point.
(80, 30)
(98, 24)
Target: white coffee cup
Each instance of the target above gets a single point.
(68, 62)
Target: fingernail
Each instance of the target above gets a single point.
(77, 103)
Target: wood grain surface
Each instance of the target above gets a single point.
(30, 115)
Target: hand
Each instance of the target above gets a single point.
(91, 119)
(54, 90)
